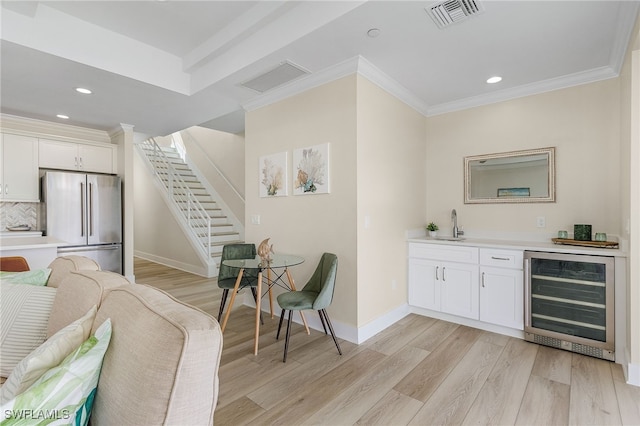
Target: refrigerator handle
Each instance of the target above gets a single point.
(527, 292)
(90, 209)
(81, 208)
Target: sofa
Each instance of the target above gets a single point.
(161, 363)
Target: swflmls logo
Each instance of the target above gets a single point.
(37, 414)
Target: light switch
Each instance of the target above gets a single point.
(255, 219)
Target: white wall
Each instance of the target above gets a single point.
(581, 122)
(210, 150)
(157, 235)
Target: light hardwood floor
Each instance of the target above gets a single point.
(420, 371)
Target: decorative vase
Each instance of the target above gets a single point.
(433, 234)
(582, 232)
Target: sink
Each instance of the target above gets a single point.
(449, 238)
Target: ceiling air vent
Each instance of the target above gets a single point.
(452, 11)
(281, 74)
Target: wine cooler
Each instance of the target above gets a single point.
(569, 302)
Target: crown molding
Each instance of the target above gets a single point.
(592, 76)
(357, 64)
(48, 129)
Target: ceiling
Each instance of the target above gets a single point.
(163, 66)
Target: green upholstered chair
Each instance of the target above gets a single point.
(227, 275)
(316, 294)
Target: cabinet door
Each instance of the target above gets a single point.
(95, 158)
(20, 168)
(459, 289)
(424, 288)
(58, 155)
(502, 297)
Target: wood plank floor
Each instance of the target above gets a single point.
(420, 371)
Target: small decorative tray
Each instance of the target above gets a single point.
(600, 244)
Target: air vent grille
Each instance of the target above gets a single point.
(281, 74)
(452, 11)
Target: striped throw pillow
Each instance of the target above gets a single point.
(24, 314)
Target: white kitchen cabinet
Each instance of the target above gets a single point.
(502, 288)
(76, 156)
(19, 178)
(439, 284)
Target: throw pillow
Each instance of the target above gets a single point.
(64, 394)
(50, 354)
(24, 314)
(34, 277)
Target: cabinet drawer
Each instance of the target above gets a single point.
(450, 253)
(501, 258)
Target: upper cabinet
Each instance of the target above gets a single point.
(19, 179)
(77, 156)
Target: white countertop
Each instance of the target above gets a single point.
(17, 234)
(25, 243)
(523, 245)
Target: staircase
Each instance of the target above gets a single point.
(197, 207)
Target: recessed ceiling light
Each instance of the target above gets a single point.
(65, 117)
(373, 32)
(83, 91)
(494, 79)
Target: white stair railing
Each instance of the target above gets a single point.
(195, 215)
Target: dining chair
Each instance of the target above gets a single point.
(316, 294)
(227, 275)
(14, 264)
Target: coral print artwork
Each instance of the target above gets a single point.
(273, 175)
(311, 174)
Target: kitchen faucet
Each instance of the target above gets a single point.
(454, 217)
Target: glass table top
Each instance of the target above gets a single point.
(278, 260)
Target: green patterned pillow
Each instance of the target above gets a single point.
(64, 394)
(34, 277)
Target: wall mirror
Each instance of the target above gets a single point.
(510, 177)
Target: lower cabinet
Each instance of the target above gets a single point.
(482, 284)
(502, 297)
(449, 287)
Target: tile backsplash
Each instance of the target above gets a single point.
(15, 214)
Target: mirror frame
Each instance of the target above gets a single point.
(551, 198)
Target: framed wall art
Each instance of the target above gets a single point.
(273, 175)
(311, 170)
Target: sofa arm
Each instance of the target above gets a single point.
(62, 266)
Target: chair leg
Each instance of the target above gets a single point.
(223, 301)
(286, 341)
(280, 324)
(255, 299)
(333, 334)
(322, 321)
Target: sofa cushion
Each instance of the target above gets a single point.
(78, 293)
(162, 364)
(48, 355)
(61, 266)
(65, 393)
(24, 312)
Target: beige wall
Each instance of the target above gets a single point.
(391, 196)
(309, 225)
(581, 122)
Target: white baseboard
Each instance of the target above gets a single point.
(193, 269)
(344, 331)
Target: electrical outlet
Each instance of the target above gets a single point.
(394, 285)
(541, 222)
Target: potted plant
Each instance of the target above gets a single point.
(433, 229)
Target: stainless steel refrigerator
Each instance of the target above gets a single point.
(85, 211)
